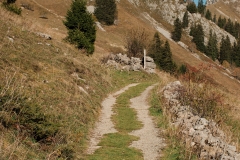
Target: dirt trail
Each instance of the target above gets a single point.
(104, 125)
(150, 143)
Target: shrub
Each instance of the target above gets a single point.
(10, 1)
(28, 118)
(182, 69)
(12, 7)
(136, 41)
(202, 96)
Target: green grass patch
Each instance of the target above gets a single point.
(115, 145)
(123, 78)
(126, 118)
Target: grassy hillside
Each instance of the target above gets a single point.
(50, 95)
(63, 86)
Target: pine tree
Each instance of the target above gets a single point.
(185, 20)
(220, 22)
(167, 63)
(155, 50)
(81, 27)
(177, 33)
(212, 49)
(229, 27)
(198, 37)
(106, 11)
(214, 18)
(208, 15)
(191, 7)
(236, 55)
(225, 50)
(201, 7)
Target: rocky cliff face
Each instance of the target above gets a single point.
(211, 1)
(170, 10)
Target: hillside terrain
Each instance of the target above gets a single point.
(63, 88)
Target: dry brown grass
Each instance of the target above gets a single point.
(55, 64)
(227, 9)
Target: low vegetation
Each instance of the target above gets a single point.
(206, 100)
(44, 111)
(115, 145)
(11, 6)
(175, 148)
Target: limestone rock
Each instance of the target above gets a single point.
(198, 132)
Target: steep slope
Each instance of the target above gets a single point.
(131, 14)
(57, 88)
(57, 77)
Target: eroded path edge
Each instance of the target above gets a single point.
(105, 125)
(149, 143)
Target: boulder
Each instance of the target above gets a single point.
(151, 65)
(44, 35)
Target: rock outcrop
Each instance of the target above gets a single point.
(199, 133)
(122, 62)
(170, 10)
(211, 1)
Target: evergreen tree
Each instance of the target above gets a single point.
(167, 64)
(185, 20)
(225, 50)
(106, 11)
(214, 18)
(191, 7)
(229, 27)
(236, 29)
(212, 49)
(208, 15)
(220, 22)
(236, 55)
(81, 27)
(162, 55)
(201, 7)
(198, 37)
(177, 33)
(155, 50)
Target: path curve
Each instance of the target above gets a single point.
(150, 143)
(104, 125)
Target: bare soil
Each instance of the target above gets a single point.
(105, 125)
(149, 143)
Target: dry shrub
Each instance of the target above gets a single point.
(135, 42)
(202, 95)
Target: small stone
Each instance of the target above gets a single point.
(191, 131)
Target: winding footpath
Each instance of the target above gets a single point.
(149, 141)
(105, 125)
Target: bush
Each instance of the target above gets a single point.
(28, 118)
(202, 96)
(136, 41)
(182, 69)
(13, 8)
